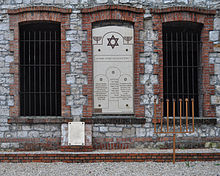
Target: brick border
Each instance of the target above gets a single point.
(114, 12)
(106, 157)
(206, 17)
(39, 13)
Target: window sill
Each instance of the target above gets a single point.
(114, 119)
(39, 120)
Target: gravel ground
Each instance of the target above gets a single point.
(111, 169)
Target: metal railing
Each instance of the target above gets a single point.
(163, 127)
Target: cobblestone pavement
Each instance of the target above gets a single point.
(111, 169)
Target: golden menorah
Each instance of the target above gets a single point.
(164, 128)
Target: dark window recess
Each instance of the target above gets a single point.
(40, 69)
(181, 65)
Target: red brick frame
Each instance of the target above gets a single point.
(39, 14)
(203, 16)
(114, 12)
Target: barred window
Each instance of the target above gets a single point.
(181, 64)
(40, 69)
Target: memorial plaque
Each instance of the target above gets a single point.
(113, 69)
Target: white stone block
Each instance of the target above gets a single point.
(22, 134)
(33, 134)
(102, 1)
(103, 129)
(4, 128)
(140, 132)
(117, 129)
(4, 111)
(59, 1)
(214, 35)
(148, 46)
(76, 47)
(183, 1)
(169, 1)
(217, 24)
(124, 1)
(115, 1)
(199, 1)
(84, 1)
(217, 68)
(76, 111)
(215, 99)
(74, 1)
(4, 26)
(148, 68)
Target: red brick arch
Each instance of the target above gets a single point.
(41, 13)
(189, 14)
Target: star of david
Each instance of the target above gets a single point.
(112, 41)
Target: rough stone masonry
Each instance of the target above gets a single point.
(46, 136)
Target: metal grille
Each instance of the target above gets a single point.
(40, 69)
(181, 53)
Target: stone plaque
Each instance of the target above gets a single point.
(76, 133)
(113, 69)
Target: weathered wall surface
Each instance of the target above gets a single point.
(49, 134)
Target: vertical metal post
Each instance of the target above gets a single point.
(193, 115)
(186, 114)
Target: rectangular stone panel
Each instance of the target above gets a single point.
(76, 133)
(113, 69)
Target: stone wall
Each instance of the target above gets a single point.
(47, 136)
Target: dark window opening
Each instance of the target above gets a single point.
(40, 69)
(181, 65)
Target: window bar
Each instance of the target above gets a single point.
(172, 64)
(187, 63)
(182, 48)
(34, 73)
(50, 76)
(198, 62)
(193, 69)
(55, 62)
(45, 71)
(24, 69)
(40, 71)
(177, 74)
(29, 76)
(167, 67)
